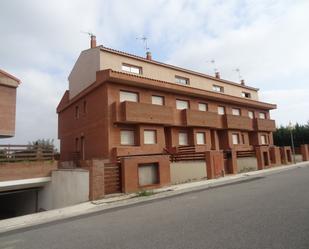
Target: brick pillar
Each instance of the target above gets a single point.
(275, 155)
(214, 163)
(263, 157)
(304, 148)
(96, 180)
(232, 162)
(259, 157)
(286, 155)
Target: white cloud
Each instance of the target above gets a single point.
(267, 39)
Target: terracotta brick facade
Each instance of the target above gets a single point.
(91, 122)
(8, 85)
(26, 170)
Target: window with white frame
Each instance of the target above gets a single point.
(157, 100)
(127, 137)
(221, 110)
(181, 80)
(183, 138)
(263, 139)
(200, 138)
(262, 115)
(131, 68)
(217, 88)
(182, 104)
(128, 96)
(150, 137)
(246, 95)
(251, 114)
(235, 138)
(202, 107)
(236, 112)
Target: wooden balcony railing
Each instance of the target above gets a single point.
(19, 153)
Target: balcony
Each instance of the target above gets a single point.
(265, 124)
(238, 122)
(132, 112)
(202, 119)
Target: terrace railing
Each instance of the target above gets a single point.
(19, 153)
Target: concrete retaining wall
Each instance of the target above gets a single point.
(187, 171)
(245, 164)
(68, 187)
(298, 158)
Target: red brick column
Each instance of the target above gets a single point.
(214, 163)
(96, 178)
(286, 154)
(261, 160)
(232, 163)
(275, 155)
(304, 148)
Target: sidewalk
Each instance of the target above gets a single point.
(131, 199)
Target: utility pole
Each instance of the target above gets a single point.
(291, 127)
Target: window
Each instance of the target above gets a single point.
(262, 115)
(182, 104)
(251, 114)
(157, 100)
(76, 144)
(181, 80)
(236, 111)
(82, 148)
(202, 107)
(221, 110)
(263, 139)
(77, 112)
(148, 174)
(183, 138)
(235, 138)
(217, 88)
(127, 137)
(246, 95)
(85, 107)
(243, 138)
(131, 69)
(200, 138)
(128, 96)
(150, 137)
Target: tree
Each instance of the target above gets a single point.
(282, 136)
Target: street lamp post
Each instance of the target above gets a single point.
(291, 127)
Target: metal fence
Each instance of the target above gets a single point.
(19, 153)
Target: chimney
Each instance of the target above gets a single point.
(242, 82)
(148, 55)
(217, 75)
(93, 41)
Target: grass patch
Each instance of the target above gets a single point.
(246, 169)
(144, 192)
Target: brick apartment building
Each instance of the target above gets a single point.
(142, 116)
(8, 85)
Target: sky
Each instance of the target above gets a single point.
(268, 40)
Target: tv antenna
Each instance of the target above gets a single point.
(88, 33)
(213, 62)
(144, 39)
(238, 72)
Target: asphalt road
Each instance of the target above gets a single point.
(269, 212)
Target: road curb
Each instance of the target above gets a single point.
(88, 208)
